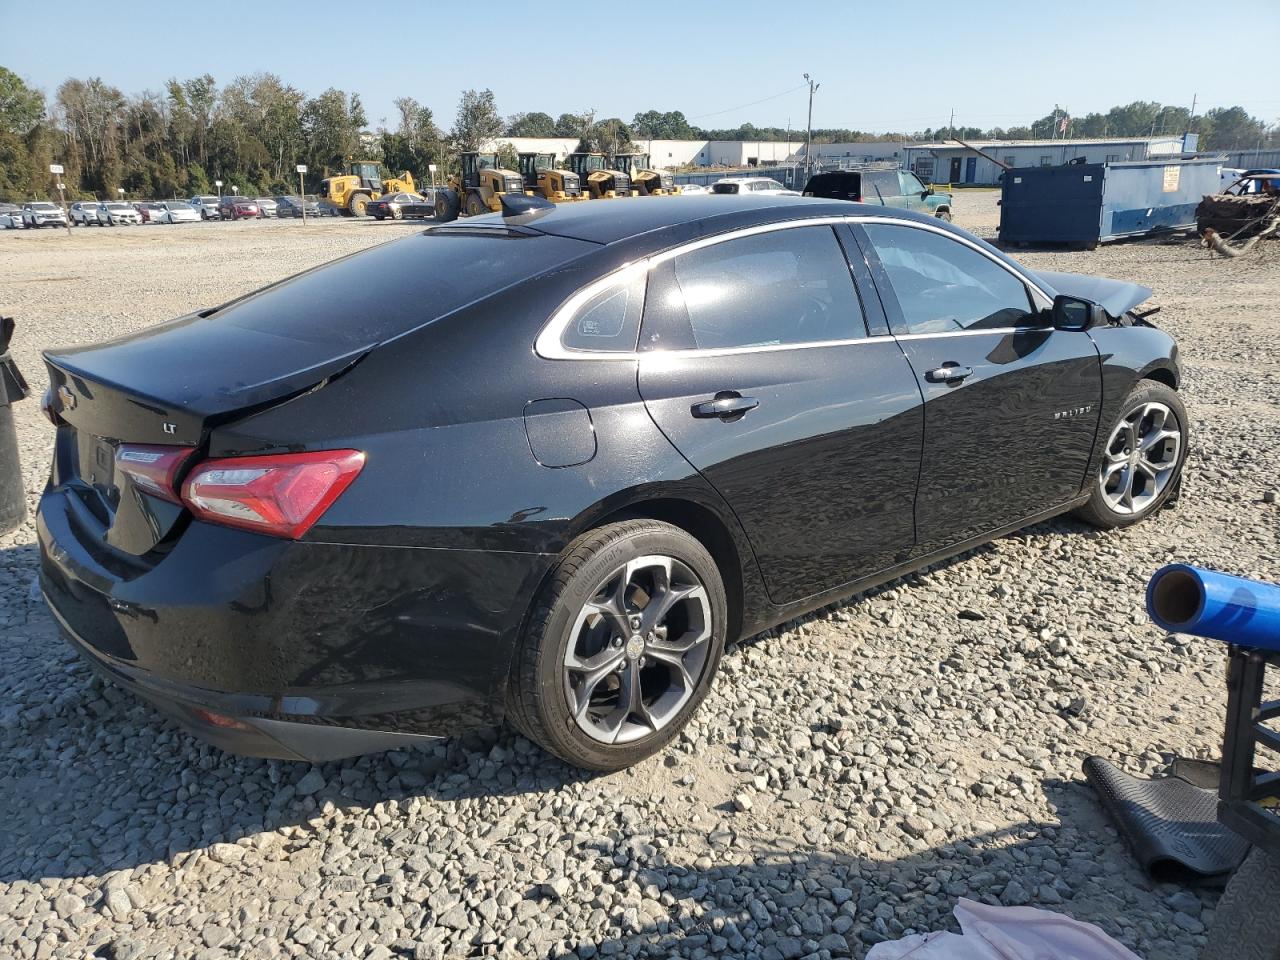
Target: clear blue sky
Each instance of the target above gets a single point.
(888, 65)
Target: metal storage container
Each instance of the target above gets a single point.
(1086, 204)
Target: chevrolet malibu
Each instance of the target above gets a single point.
(559, 456)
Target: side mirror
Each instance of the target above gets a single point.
(928, 192)
(1075, 313)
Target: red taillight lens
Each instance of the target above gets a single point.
(153, 469)
(279, 495)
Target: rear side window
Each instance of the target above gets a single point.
(943, 286)
(790, 286)
(609, 321)
(396, 287)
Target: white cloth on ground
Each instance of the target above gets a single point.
(1007, 933)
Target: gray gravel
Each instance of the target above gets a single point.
(850, 776)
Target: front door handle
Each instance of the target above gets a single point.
(949, 374)
(727, 405)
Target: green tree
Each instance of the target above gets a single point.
(536, 124)
(653, 124)
(478, 121)
(1231, 128)
(21, 108)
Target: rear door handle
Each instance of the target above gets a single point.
(949, 374)
(727, 405)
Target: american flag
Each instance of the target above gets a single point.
(1064, 123)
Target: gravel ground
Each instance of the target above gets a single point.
(849, 777)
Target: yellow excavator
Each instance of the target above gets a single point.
(478, 188)
(352, 191)
(542, 179)
(645, 181)
(599, 181)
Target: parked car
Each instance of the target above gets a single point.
(757, 186)
(1249, 182)
(292, 207)
(41, 214)
(150, 211)
(178, 211)
(890, 188)
(266, 206)
(115, 213)
(712, 416)
(11, 216)
(237, 208)
(207, 207)
(84, 213)
(692, 189)
(397, 206)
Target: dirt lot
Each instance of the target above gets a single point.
(848, 779)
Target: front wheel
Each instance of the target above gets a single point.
(944, 215)
(622, 645)
(1141, 461)
(1246, 925)
(358, 204)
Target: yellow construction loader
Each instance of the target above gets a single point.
(542, 179)
(645, 181)
(352, 191)
(477, 189)
(599, 181)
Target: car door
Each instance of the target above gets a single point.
(1011, 405)
(913, 192)
(757, 363)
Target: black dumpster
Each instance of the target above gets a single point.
(13, 496)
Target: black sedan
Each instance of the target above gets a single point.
(398, 206)
(556, 458)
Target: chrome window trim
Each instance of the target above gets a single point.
(548, 344)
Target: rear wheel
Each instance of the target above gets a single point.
(1142, 458)
(944, 215)
(475, 205)
(622, 645)
(358, 204)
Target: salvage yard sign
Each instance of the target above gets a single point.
(1172, 173)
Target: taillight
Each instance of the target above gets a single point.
(281, 495)
(153, 468)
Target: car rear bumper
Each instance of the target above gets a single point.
(297, 650)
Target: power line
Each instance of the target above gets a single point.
(744, 106)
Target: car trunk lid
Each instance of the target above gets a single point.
(165, 388)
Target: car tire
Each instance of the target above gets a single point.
(1131, 482)
(609, 569)
(944, 215)
(1246, 925)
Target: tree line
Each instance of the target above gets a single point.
(252, 132)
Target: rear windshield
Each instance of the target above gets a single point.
(835, 186)
(724, 188)
(393, 288)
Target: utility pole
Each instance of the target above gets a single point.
(1190, 116)
(808, 137)
(951, 125)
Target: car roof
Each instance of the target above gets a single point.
(611, 221)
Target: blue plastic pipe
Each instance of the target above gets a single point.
(1186, 599)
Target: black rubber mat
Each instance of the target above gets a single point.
(1171, 823)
